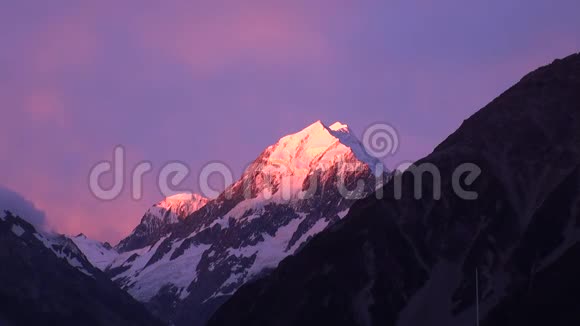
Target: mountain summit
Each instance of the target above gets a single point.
(189, 254)
(318, 142)
(160, 217)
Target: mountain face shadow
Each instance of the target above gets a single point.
(409, 261)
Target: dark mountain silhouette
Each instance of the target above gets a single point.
(56, 285)
(409, 261)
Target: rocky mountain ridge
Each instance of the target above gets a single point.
(403, 260)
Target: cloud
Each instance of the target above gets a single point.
(45, 106)
(65, 45)
(18, 205)
(261, 35)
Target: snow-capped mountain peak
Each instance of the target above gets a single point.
(339, 126)
(189, 265)
(315, 147)
(181, 205)
(160, 216)
(300, 149)
(343, 133)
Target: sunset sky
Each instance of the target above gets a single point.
(199, 82)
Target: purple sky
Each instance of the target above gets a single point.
(200, 82)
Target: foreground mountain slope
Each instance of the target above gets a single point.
(39, 286)
(403, 260)
(185, 270)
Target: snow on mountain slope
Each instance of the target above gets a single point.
(317, 145)
(99, 254)
(344, 134)
(178, 207)
(143, 280)
(291, 192)
(171, 210)
(63, 247)
(159, 217)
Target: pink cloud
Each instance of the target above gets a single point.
(65, 196)
(64, 44)
(45, 106)
(78, 211)
(258, 35)
(95, 219)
